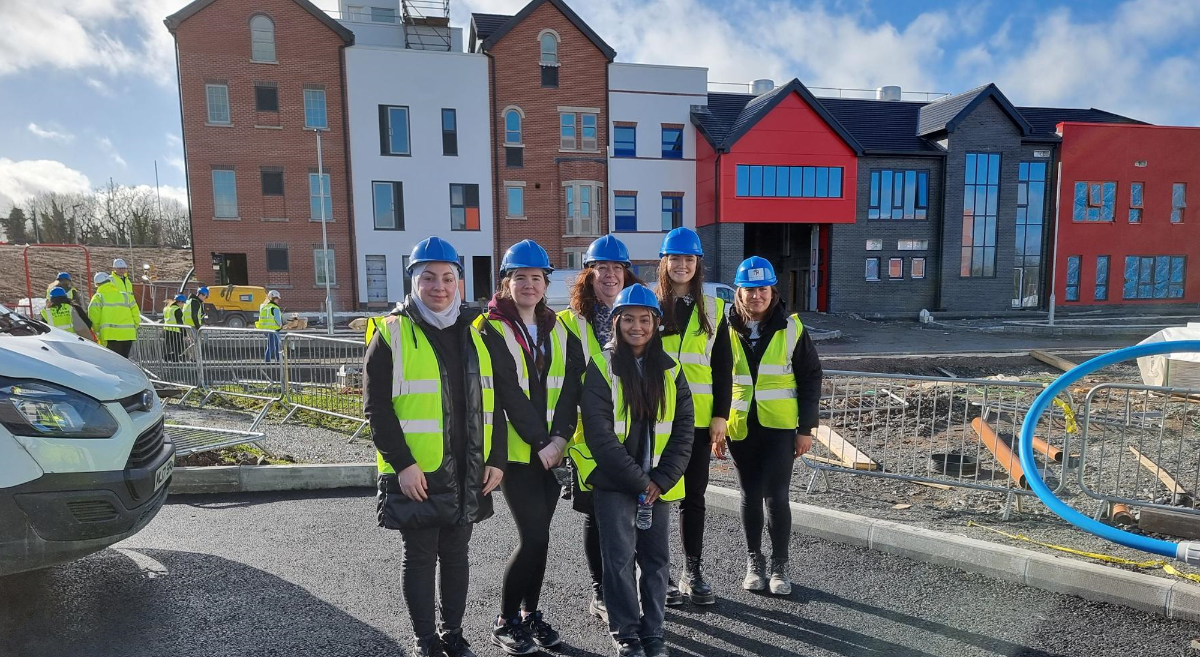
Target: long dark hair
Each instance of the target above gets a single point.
(645, 399)
(666, 298)
(583, 295)
(504, 292)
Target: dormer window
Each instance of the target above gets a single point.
(548, 42)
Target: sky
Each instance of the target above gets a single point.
(88, 87)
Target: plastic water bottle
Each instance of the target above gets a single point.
(645, 513)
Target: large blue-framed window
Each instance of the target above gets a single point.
(796, 182)
(899, 194)
(625, 141)
(625, 213)
(1031, 210)
(672, 143)
(981, 196)
(1094, 201)
(1154, 277)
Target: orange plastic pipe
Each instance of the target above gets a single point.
(1004, 455)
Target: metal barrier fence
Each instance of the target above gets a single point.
(169, 354)
(935, 430)
(324, 375)
(1141, 445)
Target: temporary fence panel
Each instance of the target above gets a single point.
(170, 354)
(242, 362)
(189, 439)
(324, 375)
(1141, 445)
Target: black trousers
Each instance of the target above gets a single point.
(695, 483)
(591, 549)
(764, 463)
(423, 550)
(532, 495)
(121, 347)
(173, 346)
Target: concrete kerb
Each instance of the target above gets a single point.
(1171, 598)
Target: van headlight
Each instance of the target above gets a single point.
(34, 408)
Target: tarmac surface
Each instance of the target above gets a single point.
(311, 574)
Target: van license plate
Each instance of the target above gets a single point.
(163, 473)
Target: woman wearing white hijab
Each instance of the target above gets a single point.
(437, 464)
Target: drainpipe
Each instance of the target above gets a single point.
(349, 177)
(941, 284)
(495, 167)
(1054, 246)
(717, 213)
(187, 181)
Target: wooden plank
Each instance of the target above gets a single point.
(1163, 475)
(822, 459)
(849, 455)
(1052, 360)
(1171, 523)
(933, 485)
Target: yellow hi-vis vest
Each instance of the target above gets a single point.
(72, 293)
(171, 317)
(693, 349)
(374, 324)
(187, 311)
(519, 450)
(113, 313)
(417, 394)
(585, 465)
(775, 390)
(266, 317)
(582, 329)
(60, 317)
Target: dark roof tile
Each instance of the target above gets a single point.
(882, 126)
(486, 24)
(1045, 120)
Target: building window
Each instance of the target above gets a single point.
(912, 245)
(573, 258)
(464, 207)
(512, 127)
(272, 182)
(1031, 206)
(1094, 201)
(895, 268)
(388, 199)
(515, 196)
(583, 208)
(872, 269)
(1136, 191)
(918, 268)
(874, 245)
(1178, 202)
(899, 195)
(577, 132)
(550, 76)
(980, 197)
(672, 212)
(224, 194)
(323, 264)
(266, 97)
(319, 197)
(625, 141)
(566, 127)
(514, 156)
(383, 15)
(449, 132)
(218, 103)
(1073, 264)
(393, 130)
(277, 257)
(1154, 277)
(672, 143)
(625, 210)
(797, 182)
(1101, 293)
(262, 39)
(548, 42)
(314, 109)
(588, 142)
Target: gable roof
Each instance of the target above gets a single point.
(174, 20)
(883, 126)
(498, 31)
(1045, 120)
(944, 114)
(729, 117)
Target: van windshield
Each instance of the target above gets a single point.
(12, 323)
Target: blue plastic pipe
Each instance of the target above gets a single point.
(1187, 551)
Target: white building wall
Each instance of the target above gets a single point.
(651, 96)
(425, 82)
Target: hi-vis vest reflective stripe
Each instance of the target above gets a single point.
(60, 317)
(417, 394)
(519, 450)
(187, 311)
(171, 317)
(775, 390)
(113, 314)
(693, 349)
(592, 349)
(266, 317)
(582, 456)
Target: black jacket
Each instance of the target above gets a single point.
(721, 359)
(197, 311)
(806, 365)
(456, 489)
(617, 465)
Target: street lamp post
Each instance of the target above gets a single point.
(324, 237)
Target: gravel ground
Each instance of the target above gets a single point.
(305, 444)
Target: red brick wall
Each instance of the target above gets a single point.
(214, 45)
(582, 82)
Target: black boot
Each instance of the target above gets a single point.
(430, 646)
(454, 645)
(693, 584)
(674, 597)
(597, 607)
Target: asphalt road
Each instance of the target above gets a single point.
(297, 575)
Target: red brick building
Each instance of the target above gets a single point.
(1126, 235)
(549, 109)
(255, 80)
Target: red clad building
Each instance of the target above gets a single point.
(1125, 234)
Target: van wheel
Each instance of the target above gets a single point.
(235, 321)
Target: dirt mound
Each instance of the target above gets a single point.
(45, 263)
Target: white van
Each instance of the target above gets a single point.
(84, 462)
(558, 293)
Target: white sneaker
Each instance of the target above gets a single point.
(756, 579)
(780, 584)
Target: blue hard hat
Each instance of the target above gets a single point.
(637, 295)
(64, 276)
(607, 249)
(433, 249)
(57, 293)
(525, 254)
(181, 297)
(681, 241)
(203, 290)
(755, 272)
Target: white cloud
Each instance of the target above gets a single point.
(106, 145)
(22, 180)
(177, 162)
(53, 135)
(174, 140)
(100, 87)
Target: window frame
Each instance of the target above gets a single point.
(387, 134)
(575, 221)
(1147, 271)
(216, 203)
(913, 268)
(563, 125)
(256, 41)
(311, 108)
(450, 136)
(1100, 292)
(873, 244)
(1137, 209)
(263, 173)
(895, 265)
(973, 223)
(912, 244)
(208, 101)
(542, 52)
(396, 191)
(622, 215)
(749, 177)
(901, 177)
(584, 139)
(1094, 199)
(1071, 285)
(874, 260)
(672, 216)
(1178, 206)
(325, 192)
(286, 258)
(672, 154)
(466, 192)
(509, 187)
(631, 151)
(330, 257)
(260, 87)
